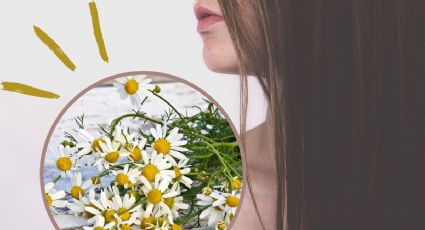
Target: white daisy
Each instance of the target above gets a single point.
(125, 214)
(136, 148)
(53, 197)
(156, 165)
(174, 203)
(152, 223)
(121, 136)
(164, 226)
(126, 177)
(168, 145)
(101, 207)
(156, 193)
(145, 222)
(78, 189)
(230, 202)
(135, 219)
(134, 87)
(180, 170)
(116, 210)
(100, 224)
(111, 191)
(78, 206)
(214, 213)
(109, 154)
(96, 182)
(89, 143)
(65, 160)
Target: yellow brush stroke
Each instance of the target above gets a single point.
(28, 90)
(97, 31)
(54, 47)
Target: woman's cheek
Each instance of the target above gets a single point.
(219, 53)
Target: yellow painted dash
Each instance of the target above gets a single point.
(57, 50)
(97, 31)
(27, 90)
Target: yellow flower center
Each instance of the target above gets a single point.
(125, 227)
(177, 227)
(169, 202)
(109, 215)
(222, 225)
(125, 215)
(131, 86)
(162, 146)
(76, 191)
(122, 179)
(95, 180)
(148, 222)
(154, 196)
(150, 171)
(236, 184)
(49, 200)
(98, 228)
(177, 172)
(232, 201)
(136, 154)
(95, 144)
(64, 164)
(112, 157)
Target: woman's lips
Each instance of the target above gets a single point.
(206, 18)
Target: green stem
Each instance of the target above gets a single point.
(212, 177)
(221, 159)
(189, 217)
(117, 120)
(193, 133)
(236, 172)
(202, 156)
(57, 179)
(231, 144)
(175, 110)
(103, 173)
(198, 174)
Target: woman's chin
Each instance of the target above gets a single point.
(220, 63)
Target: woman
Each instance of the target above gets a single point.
(345, 86)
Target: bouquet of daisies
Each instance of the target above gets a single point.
(178, 172)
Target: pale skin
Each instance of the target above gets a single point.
(220, 56)
(218, 53)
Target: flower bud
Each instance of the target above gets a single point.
(207, 191)
(157, 89)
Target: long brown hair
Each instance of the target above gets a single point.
(345, 80)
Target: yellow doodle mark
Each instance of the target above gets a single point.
(27, 90)
(97, 31)
(57, 50)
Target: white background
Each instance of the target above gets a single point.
(140, 35)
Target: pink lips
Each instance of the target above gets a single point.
(206, 18)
